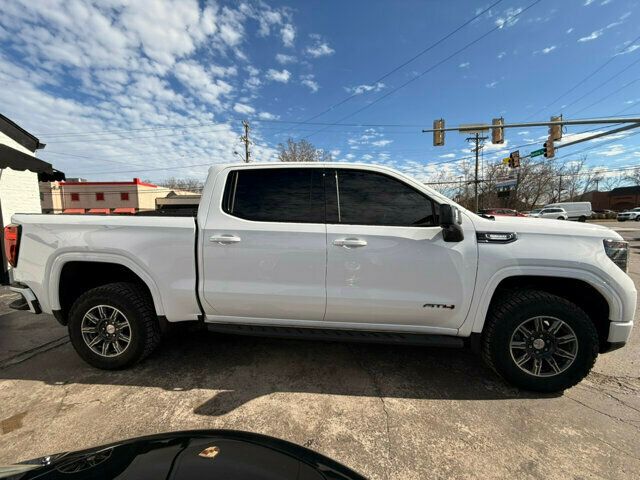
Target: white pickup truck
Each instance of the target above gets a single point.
(332, 251)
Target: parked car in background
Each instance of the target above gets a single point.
(579, 211)
(557, 213)
(633, 214)
(507, 212)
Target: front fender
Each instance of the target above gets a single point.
(481, 302)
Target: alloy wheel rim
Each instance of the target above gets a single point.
(543, 346)
(106, 331)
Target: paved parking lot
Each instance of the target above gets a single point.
(386, 411)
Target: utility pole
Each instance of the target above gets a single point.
(477, 139)
(245, 139)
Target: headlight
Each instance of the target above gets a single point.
(618, 252)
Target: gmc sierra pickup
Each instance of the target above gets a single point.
(332, 251)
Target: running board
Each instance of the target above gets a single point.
(335, 335)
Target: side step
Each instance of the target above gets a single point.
(335, 335)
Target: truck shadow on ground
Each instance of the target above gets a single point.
(241, 369)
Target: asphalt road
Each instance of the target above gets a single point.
(386, 411)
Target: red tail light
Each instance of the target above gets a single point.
(12, 243)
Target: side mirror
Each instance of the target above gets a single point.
(450, 220)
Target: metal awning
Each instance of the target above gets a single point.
(17, 160)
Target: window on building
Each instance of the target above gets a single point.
(124, 196)
(100, 196)
(75, 197)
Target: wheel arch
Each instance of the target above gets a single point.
(583, 288)
(95, 270)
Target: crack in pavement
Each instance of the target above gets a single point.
(625, 421)
(378, 390)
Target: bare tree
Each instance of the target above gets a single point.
(301, 151)
(188, 184)
(633, 176)
(609, 183)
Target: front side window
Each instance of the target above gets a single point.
(100, 196)
(276, 195)
(75, 197)
(371, 198)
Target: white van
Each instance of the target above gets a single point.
(579, 211)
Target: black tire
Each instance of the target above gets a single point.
(560, 218)
(582, 219)
(134, 303)
(637, 219)
(510, 312)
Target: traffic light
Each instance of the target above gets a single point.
(497, 132)
(549, 149)
(514, 159)
(438, 133)
(555, 131)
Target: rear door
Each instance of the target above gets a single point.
(264, 245)
(387, 262)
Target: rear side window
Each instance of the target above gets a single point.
(276, 195)
(361, 197)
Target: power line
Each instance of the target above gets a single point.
(607, 96)
(405, 63)
(613, 57)
(433, 67)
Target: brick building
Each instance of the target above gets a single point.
(618, 199)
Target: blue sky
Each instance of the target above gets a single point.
(156, 89)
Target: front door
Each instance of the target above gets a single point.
(387, 262)
(264, 245)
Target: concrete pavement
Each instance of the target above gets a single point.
(386, 411)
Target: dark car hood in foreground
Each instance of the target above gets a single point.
(198, 454)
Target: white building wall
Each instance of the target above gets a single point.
(19, 191)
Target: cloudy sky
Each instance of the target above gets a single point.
(159, 88)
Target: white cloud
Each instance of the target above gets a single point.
(501, 55)
(629, 49)
(448, 155)
(288, 33)
(592, 36)
(278, 76)
(283, 59)
(508, 18)
(465, 65)
(309, 82)
(319, 48)
(491, 84)
(612, 151)
(268, 116)
(194, 76)
(588, 2)
(548, 49)
(569, 30)
(367, 157)
(335, 153)
(360, 89)
(244, 109)
(381, 143)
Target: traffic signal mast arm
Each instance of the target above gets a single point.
(486, 126)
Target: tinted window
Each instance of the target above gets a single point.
(369, 198)
(276, 195)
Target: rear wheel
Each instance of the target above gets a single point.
(582, 219)
(539, 341)
(113, 326)
(560, 218)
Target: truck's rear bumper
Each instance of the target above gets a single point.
(28, 296)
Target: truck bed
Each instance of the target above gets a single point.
(160, 249)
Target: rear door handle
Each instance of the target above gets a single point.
(225, 239)
(350, 242)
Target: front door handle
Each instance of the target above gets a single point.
(225, 239)
(350, 242)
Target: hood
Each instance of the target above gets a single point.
(544, 226)
(218, 454)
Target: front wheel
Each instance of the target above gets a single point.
(113, 326)
(539, 341)
(560, 218)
